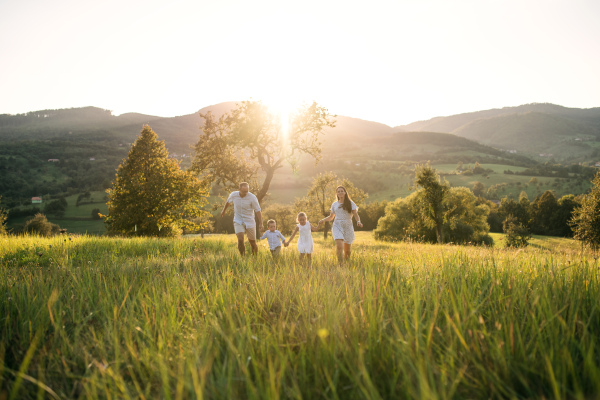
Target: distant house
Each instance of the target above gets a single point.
(597, 163)
(53, 160)
(36, 200)
(92, 158)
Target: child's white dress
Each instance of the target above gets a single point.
(305, 240)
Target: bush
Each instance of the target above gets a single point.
(40, 225)
(517, 234)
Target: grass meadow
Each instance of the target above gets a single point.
(96, 317)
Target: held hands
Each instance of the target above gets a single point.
(359, 224)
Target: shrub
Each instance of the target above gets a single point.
(40, 225)
(517, 234)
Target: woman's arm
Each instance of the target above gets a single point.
(330, 218)
(355, 213)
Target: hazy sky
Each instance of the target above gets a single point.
(393, 62)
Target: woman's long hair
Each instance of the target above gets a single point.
(347, 205)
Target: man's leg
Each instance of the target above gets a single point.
(254, 247)
(251, 233)
(241, 246)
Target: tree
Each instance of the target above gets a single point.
(322, 193)
(284, 215)
(151, 195)
(431, 196)
(566, 206)
(586, 218)
(544, 209)
(96, 214)
(3, 217)
(251, 138)
(40, 225)
(464, 220)
(56, 207)
(371, 213)
(478, 189)
(517, 234)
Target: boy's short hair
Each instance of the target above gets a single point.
(271, 221)
(244, 184)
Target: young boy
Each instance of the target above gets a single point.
(274, 237)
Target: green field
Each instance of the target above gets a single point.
(90, 317)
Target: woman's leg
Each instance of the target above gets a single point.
(347, 251)
(339, 247)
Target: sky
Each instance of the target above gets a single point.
(393, 62)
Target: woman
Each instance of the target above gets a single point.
(342, 211)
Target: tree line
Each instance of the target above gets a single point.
(152, 195)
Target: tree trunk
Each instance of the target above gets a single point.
(438, 229)
(326, 230)
(266, 183)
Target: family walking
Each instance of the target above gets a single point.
(246, 208)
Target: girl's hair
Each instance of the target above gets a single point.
(299, 214)
(347, 205)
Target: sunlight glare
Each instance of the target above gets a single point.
(284, 108)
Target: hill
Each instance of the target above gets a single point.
(531, 129)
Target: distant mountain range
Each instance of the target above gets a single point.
(569, 134)
(533, 130)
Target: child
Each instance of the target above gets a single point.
(274, 237)
(305, 240)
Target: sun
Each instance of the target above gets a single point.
(284, 107)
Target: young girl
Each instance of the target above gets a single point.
(305, 240)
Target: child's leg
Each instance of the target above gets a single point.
(275, 252)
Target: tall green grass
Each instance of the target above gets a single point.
(147, 318)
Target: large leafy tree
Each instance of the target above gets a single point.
(463, 219)
(251, 143)
(322, 193)
(151, 194)
(586, 218)
(432, 194)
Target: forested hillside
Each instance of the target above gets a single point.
(542, 131)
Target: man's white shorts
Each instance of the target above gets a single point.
(241, 228)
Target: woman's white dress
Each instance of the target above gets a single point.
(305, 240)
(342, 224)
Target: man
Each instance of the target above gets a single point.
(245, 204)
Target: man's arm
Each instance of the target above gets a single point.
(259, 221)
(224, 209)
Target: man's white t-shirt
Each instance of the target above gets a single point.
(244, 208)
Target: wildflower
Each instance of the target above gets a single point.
(323, 333)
